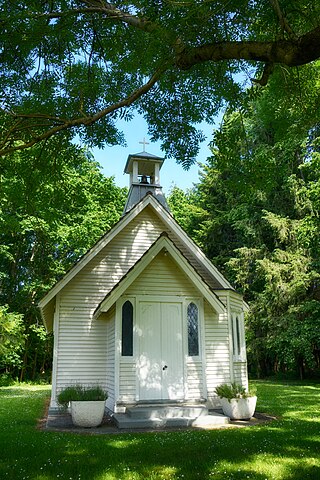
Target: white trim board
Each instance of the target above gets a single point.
(163, 243)
(123, 222)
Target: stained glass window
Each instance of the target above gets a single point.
(236, 335)
(193, 330)
(127, 329)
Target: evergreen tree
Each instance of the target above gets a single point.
(260, 191)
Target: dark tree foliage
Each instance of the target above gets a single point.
(80, 65)
(54, 204)
(260, 194)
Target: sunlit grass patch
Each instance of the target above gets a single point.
(286, 449)
(16, 391)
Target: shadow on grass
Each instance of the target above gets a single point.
(247, 453)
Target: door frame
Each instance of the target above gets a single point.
(184, 300)
(162, 299)
(160, 303)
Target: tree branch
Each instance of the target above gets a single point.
(267, 71)
(282, 19)
(287, 52)
(109, 11)
(115, 14)
(12, 143)
(40, 115)
(290, 51)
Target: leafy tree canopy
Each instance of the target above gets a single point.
(256, 214)
(11, 338)
(54, 204)
(80, 65)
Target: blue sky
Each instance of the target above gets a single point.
(113, 159)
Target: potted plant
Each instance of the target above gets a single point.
(87, 404)
(237, 403)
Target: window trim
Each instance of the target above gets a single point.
(198, 305)
(237, 336)
(125, 300)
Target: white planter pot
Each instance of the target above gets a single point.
(87, 413)
(239, 408)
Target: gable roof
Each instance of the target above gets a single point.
(163, 243)
(190, 250)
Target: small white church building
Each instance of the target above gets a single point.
(144, 313)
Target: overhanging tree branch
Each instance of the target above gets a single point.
(113, 13)
(86, 56)
(12, 145)
(282, 19)
(292, 53)
(106, 9)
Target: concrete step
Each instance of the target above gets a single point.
(124, 421)
(167, 411)
(211, 420)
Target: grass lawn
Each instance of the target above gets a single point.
(288, 448)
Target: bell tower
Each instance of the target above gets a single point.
(144, 170)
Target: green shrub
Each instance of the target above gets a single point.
(6, 380)
(81, 392)
(233, 391)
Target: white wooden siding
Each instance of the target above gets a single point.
(84, 348)
(217, 351)
(48, 314)
(127, 386)
(236, 302)
(223, 296)
(240, 373)
(82, 354)
(194, 380)
(110, 357)
(104, 271)
(82, 360)
(162, 277)
(169, 225)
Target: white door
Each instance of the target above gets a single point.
(160, 363)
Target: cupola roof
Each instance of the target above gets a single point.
(146, 162)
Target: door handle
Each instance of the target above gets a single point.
(165, 367)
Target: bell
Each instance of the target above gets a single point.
(144, 179)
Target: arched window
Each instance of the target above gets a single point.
(236, 335)
(127, 330)
(193, 330)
